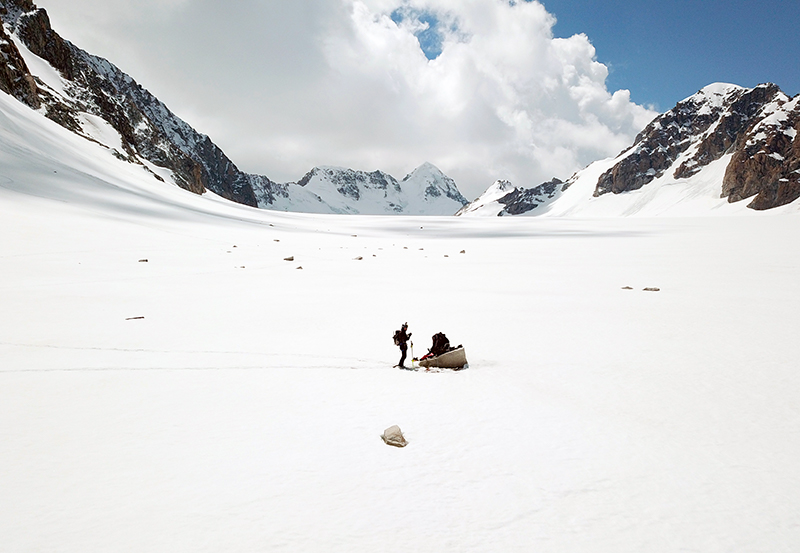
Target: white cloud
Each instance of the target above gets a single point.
(283, 86)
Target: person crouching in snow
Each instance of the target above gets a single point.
(400, 339)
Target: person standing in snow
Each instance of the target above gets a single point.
(400, 339)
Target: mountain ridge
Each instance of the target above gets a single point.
(724, 144)
(74, 88)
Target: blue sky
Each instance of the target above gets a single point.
(665, 51)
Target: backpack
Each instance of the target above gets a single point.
(396, 337)
(440, 344)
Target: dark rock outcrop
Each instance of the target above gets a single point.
(148, 129)
(766, 167)
(758, 127)
(523, 200)
(347, 181)
(507, 199)
(15, 79)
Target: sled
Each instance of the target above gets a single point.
(454, 359)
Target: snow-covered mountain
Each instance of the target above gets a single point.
(91, 97)
(717, 148)
(425, 191)
(94, 99)
(503, 198)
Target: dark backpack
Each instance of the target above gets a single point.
(396, 337)
(440, 344)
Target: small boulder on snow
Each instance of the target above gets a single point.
(394, 436)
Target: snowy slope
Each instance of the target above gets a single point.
(97, 101)
(168, 382)
(488, 202)
(698, 195)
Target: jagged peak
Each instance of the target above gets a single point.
(499, 186)
(338, 170)
(497, 190)
(718, 96)
(719, 89)
(344, 175)
(426, 168)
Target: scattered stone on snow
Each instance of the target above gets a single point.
(300, 267)
(652, 290)
(463, 251)
(134, 318)
(290, 258)
(627, 288)
(394, 437)
(359, 258)
(143, 261)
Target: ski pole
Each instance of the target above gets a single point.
(412, 354)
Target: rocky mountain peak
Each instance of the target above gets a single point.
(756, 126)
(90, 86)
(498, 189)
(349, 182)
(434, 182)
(15, 78)
(503, 198)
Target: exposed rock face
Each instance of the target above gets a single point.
(92, 85)
(757, 127)
(503, 198)
(524, 200)
(767, 164)
(15, 78)
(350, 183)
(33, 27)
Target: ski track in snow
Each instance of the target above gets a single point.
(243, 412)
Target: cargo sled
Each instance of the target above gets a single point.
(453, 359)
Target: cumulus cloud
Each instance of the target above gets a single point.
(481, 88)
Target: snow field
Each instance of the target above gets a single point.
(246, 407)
(243, 411)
